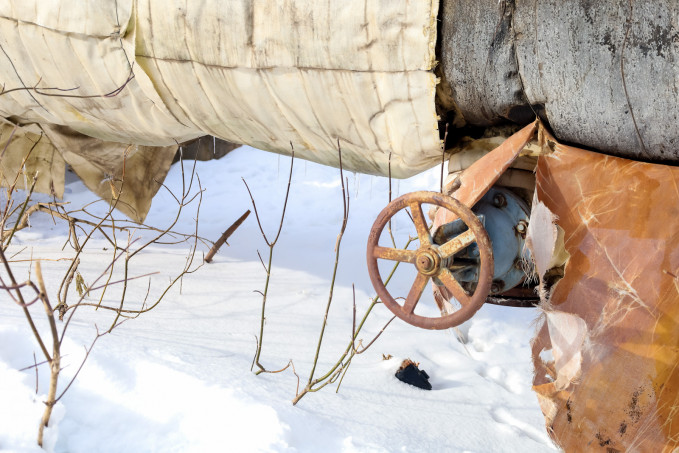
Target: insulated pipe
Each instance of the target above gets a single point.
(603, 74)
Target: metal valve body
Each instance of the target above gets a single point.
(505, 217)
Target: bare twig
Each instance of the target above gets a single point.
(125, 253)
(361, 351)
(82, 364)
(35, 364)
(66, 283)
(67, 92)
(23, 221)
(24, 306)
(338, 242)
(225, 236)
(339, 368)
(6, 242)
(55, 360)
(271, 245)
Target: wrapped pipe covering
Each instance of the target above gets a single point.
(603, 74)
(606, 353)
(27, 156)
(261, 72)
(128, 176)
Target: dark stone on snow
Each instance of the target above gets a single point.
(411, 374)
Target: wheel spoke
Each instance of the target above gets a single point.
(391, 254)
(415, 294)
(420, 224)
(456, 244)
(454, 287)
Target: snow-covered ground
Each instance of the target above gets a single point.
(178, 378)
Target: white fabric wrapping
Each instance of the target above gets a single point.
(88, 48)
(260, 72)
(266, 73)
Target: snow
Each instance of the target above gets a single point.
(178, 379)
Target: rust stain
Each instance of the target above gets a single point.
(620, 223)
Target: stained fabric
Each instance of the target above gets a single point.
(28, 157)
(128, 176)
(263, 73)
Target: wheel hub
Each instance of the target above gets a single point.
(428, 262)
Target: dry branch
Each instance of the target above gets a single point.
(271, 245)
(222, 239)
(123, 253)
(340, 368)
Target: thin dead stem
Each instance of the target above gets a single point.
(338, 242)
(341, 366)
(109, 228)
(345, 360)
(443, 155)
(267, 267)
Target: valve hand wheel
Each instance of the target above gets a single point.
(431, 260)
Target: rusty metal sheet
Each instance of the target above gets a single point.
(475, 181)
(606, 355)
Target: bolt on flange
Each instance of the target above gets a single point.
(522, 228)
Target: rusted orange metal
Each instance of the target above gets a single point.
(476, 180)
(611, 324)
(430, 260)
(606, 355)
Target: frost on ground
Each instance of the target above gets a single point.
(178, 378)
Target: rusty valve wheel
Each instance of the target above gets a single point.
(431, 260)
